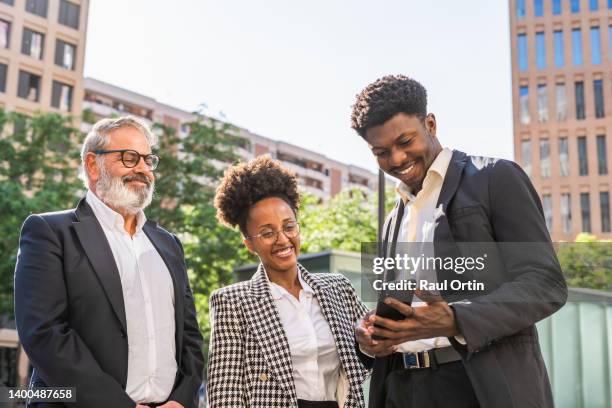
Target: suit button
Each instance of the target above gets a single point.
(122, 334)
(263, 377)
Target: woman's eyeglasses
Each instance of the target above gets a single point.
(291, 230)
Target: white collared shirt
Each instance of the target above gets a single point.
(314, 357)
(148, 296)
(418, 225)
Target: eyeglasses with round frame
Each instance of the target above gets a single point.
(290, 229)
(130, 158)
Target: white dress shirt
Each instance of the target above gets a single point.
(314, 357)
(418, 226)
(148, 296)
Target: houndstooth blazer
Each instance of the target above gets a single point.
(249, 361)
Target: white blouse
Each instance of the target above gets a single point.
(316, 365)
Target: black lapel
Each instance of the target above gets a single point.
(454, 173)
(444, 242)
(168, 249)
(265, 324)
(101, 257)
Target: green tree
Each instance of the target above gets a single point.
(343, 222)
(38, 173)
(587, 262)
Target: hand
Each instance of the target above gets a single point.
(142, 406)
(436, 319)
(377, 348)
(171, 404)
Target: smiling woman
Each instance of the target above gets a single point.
(280, 339)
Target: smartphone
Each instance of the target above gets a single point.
(388, 312)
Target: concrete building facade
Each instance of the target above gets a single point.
(42, 52)
(562, 109)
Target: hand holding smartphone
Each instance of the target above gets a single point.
(388, 312)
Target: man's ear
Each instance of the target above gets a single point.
(430, 123)
(91, 167)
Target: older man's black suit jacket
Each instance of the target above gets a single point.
(70, 312)
(493, 201)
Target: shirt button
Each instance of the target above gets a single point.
(263, 377)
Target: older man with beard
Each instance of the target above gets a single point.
(102, 300)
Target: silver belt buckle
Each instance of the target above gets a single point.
(412, 361)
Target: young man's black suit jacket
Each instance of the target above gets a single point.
(489, 200)
(70, 312)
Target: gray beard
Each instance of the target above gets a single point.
(115, 193)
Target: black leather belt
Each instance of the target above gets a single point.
(429, 358)
(317, 404)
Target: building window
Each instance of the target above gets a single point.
(520, 9)
(540, 51)
(522, 52)
(593, 5)
(610, 40)
(538, 6)
(575, 6)
(69, 14)
(585, 212)
(595, 46)
(542, 103)
(38, 7)
(32, 43)
(566, 213)
(558, 49)
(29, 86)
(526, 155)
(604, 203)
(547, 206)
(64, 54)
(602, 158)
(577, 46)
(579, 96)
(3, 70)
(564, 166)
(561, 102)
(62, 96)
(5, 33)
(556, 7)
(524, 104)
(544, 159)
(599, 98)
(583, 164)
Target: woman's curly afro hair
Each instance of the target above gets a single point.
(247, 183)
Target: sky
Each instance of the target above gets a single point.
(290, 70)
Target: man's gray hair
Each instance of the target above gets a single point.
(98, 137)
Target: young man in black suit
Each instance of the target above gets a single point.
(458, 349)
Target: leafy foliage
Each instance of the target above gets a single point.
(39, 158)
(587, 262)
(344, 222)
